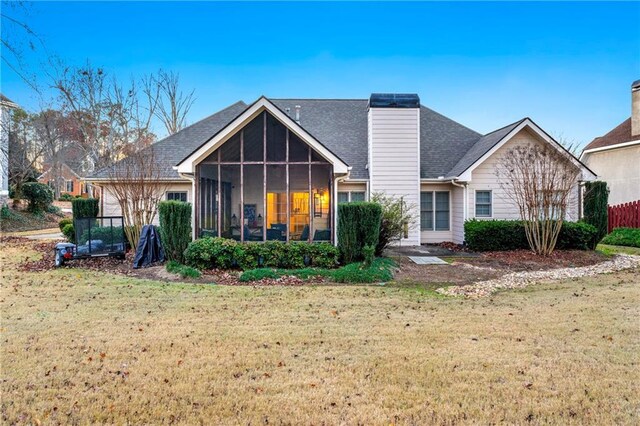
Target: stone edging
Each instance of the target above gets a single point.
(524, 279)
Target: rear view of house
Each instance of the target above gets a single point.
(276, 169)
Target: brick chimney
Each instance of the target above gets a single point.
(635, 108)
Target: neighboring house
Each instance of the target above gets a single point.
(615, 157)
(71, 170)
(5, 105)
(274, 169)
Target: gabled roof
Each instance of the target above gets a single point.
(619, 134)
(175, 147)
(447, 148)
(187, 165)
(480, 147)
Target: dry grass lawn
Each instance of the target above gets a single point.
(86, 347)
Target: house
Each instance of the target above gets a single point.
(6, 104)
(276, 169)
(615, 157)
(66, 174)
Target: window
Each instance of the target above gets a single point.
(483, 204)
(69, 185)
(350, 196)
(177, 196)
(357, 196)
(434, 218)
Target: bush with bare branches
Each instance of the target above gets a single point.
(540, 181)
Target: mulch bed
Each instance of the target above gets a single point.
(526, 260)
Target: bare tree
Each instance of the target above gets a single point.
(174, 105)
(137, 184)
(23, 154)
(114, 119)
(540, 181)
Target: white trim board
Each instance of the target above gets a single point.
(609, 147)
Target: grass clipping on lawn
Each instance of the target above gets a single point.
(88, 347)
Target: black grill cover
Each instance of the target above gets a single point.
(149, 248)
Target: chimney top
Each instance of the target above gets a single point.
(635, 108)
(394, 100)
(635, 85)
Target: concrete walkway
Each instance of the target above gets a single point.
(39, 234)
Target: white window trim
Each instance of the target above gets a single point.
(475, 203)
(433, 212)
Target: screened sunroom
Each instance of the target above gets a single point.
(264, 183)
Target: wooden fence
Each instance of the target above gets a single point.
(625, 215)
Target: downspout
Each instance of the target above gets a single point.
(465, 201)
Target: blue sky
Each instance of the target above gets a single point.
(569, 66)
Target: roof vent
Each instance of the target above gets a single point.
(394, 100)
(297, 107)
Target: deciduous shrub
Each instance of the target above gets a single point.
(85, 207)
(596, 200)
(358, 226)
(39, 195)
(175, 228)
(629, 237)
(222, 253)
(396, 214)
(501, 235)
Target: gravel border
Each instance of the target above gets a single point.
(524, 279)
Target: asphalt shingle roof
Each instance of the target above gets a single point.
(447, 148)
(619, 134)
(479, 148)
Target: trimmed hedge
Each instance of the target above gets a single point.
(222, 253)
(503, 235)
(629, 237)
(39, 195)
(596, 212)
(66, 197)
(175, 228)
(85, 207)
(358, 227)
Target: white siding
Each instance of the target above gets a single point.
(620, 168)
(110, 207)
(394, 158)
(484, 178)
(457, 215)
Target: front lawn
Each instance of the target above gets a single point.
(83, 346)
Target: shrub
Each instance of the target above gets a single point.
(69, 232)
(396, 214)
(577, 236)
(39, 195)
(502, 235)
(64, 222)
(380, 270)
(65, 197)
(629, 237)
(210, 253)
(358, 226)
(489, 235)
(175, 228)
(5, 212)
(55, 210)
(596, 200)
(85, 207)
(369, 253)
(221, 253)
(182, 270)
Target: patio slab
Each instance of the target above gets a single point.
(427, 260)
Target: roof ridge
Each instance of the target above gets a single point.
(508, 125)
(317, 99)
